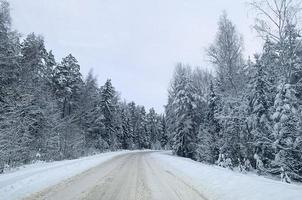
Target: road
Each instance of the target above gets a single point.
(133, 176)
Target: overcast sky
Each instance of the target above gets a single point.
(136, 43)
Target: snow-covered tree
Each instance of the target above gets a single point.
(277, 24)
(184, 133)
(259, 122)
(9, 53)
(126, 137)
(287, 133)
(164, 137)
(9, 75)
(143, 137)
(226, 55)
(108, 107)
(67, 83)
(90, 114)
(208, 146)
(48, 112)
(153, 129)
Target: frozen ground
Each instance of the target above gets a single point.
(139, 176)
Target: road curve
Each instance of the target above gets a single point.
(133, 176)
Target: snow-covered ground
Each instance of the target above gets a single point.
(35, 177)
(223, 184)
(152, 175)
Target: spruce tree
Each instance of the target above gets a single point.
(287, 137)
(153, 129)
(184, 138)
(108, 109)
(208, 146)
(259, 121)
(164, 137)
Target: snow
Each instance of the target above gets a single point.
(212, 181)
(35, 177)
(223, 184)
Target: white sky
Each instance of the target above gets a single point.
(136, 43)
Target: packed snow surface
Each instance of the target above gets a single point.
(144, 175)
(133, 176)
(35, 177)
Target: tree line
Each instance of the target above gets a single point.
(48, 111)
(248, 114)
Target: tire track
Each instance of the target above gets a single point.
(179, 188)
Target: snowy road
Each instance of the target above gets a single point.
(134, 176)
(139, 175)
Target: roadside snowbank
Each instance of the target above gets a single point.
(223, 184)
(35, 177)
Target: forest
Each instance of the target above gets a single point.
(50, 112)
(246, 114)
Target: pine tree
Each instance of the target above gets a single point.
(67, 87)
(34, 111)
(67, 84)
